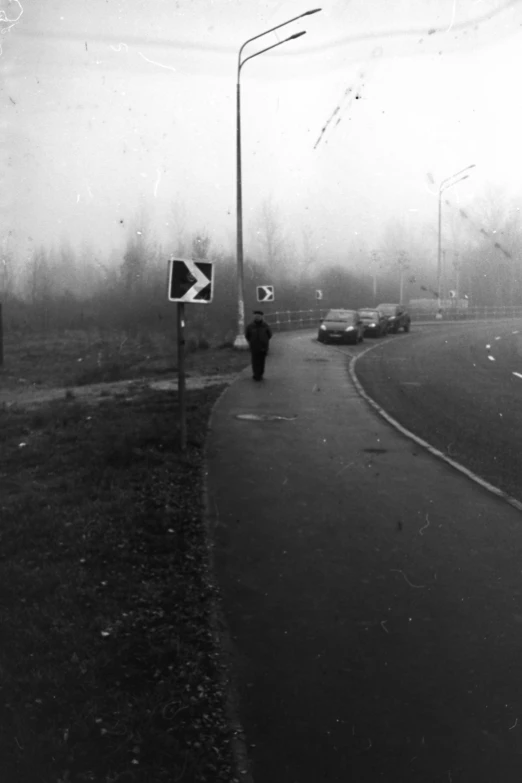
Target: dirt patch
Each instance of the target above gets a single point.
(98, 392)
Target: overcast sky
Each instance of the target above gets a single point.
(109, 104)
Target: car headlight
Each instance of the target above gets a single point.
(323, 327)
(349, 328)
(371, 326)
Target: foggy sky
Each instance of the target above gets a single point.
(108, 106)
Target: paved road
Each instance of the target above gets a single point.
(456, 387)
(374, 595)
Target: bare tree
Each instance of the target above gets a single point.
(201, 243)
(271, 237)
(308, 251)
(135, 259)
(488, 261)
(178, 224)
(39, 284)
(9, 267)
(65, 270)
(7, 273)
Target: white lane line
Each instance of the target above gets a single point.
(498, 338)
(491, 358)
(519, 375)
(488, 347)
(516, 332)
(435, 452)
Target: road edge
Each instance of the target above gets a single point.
(219, 625)
(425, 445)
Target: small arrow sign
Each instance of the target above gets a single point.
(318, 294)
(190, 281)
(265, 293)
(452, 294)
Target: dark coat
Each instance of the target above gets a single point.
(258, 336)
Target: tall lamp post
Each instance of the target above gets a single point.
(240, 341)
(444, 185)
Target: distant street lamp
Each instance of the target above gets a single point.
(374, 275)
(403, 266)
(240, 341)
(456, 266)
(444, 185)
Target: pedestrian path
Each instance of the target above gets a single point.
(371, 591)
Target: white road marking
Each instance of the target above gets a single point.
(435, 452)
(491, 358)
(519, 375)
(488, 347)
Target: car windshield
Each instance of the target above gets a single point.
(369, 313)
(339, 315)
(388, 309)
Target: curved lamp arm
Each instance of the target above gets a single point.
(290, 37)
(441, 188)
(255, 37)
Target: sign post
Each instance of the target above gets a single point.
(180, 326)
(189, 281)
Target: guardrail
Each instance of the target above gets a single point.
(308, 319)
(485, 313)
(295, 319)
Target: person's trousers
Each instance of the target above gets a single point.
(258, 363)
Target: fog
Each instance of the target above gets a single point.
(119, 117)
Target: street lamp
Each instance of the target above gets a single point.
(240, 341)
(444, 185)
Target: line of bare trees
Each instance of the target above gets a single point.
(58, 289)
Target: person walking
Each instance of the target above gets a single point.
(258, 335)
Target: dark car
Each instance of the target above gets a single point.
(374, 322)
(397, 315)
(339, 326)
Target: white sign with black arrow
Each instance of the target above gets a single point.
(265, 293)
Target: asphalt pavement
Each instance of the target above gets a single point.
(460, 388)
(372, 593)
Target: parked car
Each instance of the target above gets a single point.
(341, 326)
(374, 321)
(397, 315)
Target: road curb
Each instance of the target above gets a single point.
(425, 445)
(219, 625)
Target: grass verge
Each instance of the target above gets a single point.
(110, 670)
(78, 358)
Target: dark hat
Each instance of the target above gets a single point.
(258, 312)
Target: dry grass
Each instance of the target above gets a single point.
(80, 357)
(110, 671)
